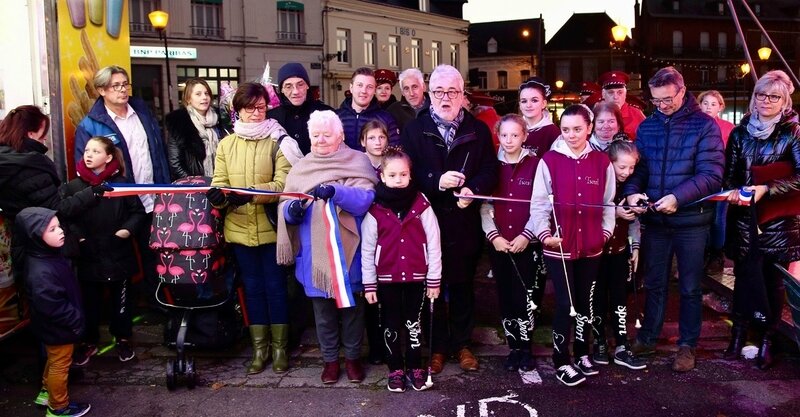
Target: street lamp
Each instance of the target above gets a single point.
(159, 20)
(527, 35)
(618, 33)
(764, 53)
(745, 69)
(559, 84)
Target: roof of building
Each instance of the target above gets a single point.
(507, 34)
(452, 8)
(583, 31)
(705, 9)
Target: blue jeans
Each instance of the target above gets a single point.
(264, 284)
(658, 245)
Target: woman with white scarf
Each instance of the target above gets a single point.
(194, 133)
(766, 140)
(250, 158)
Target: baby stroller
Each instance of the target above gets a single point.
(186, 235)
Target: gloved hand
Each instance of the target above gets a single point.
(296, 209)
(215, 196)
(323, 191)
(239, 199)
(99, 190)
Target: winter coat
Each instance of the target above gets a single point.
(473, 154)
(99, 123)
(104, 257)
(294, 119)
(352, 122)
(185, 148)
(779, 238)
(404, 113)
(255, 164)
(680, 155)
(56, 310)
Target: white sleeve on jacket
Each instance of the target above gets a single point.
(369, 242)
(635, 233)
(487, 220)
(431, 226)
(610, 210)
(541, 209)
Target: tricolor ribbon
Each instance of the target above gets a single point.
(126, 189)
(336, 258)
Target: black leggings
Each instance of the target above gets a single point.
(581, 274)
(611, 291)
(775, 291)
(401, 317)
(517, 320)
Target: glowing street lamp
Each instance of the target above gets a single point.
(159, 20)
(559, 84)
(619, 33)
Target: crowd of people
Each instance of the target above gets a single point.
(401, 197)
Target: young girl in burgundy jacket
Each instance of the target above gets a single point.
(573, 217)
(401, 266)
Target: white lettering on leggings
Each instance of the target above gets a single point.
(622, 313)
(413, 333)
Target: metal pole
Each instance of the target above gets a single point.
(744, 40)
(735, 84)
(163, 32)
(772, 44)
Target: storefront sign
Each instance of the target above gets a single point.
(158, 52)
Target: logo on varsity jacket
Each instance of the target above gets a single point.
(592, 180)
(527, 182)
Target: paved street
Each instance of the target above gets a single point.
(137, 388)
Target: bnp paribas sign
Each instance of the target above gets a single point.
(158, 52)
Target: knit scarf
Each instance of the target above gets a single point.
(260, 130)
(448, 127)
(398, 200)
(205, 127)
(762, 129)
(346, 167)
(544, 121)
(92, 178)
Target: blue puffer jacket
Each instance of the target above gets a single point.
(352, 122)
(682, 155)
(99, 123)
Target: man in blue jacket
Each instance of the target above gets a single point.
(681, 161)
(356, 110)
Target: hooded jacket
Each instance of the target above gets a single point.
(56, 313)
(352, 122)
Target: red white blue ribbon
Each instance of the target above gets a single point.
(336, 258)
(126, 189)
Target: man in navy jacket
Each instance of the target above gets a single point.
(681, 161)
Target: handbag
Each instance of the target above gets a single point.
(785, 205)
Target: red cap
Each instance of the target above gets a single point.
(384, 76)
(481, 99)
(588, 88)
(613, 79)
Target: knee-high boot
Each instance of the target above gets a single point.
(738, 339)
(280, 339)
(260, 339)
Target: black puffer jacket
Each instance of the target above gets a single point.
(185, 149)
(780, 238)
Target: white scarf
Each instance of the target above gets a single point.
(260, 130)
(762, 129)
(599, 144)
(205, 127)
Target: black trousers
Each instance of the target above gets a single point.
(147, 288)
(776, 295)
(520, 279)
(610, 298)
(581, 275)
(453, 318)
(401, 323)
(120, 324)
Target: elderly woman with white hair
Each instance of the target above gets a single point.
(766, 141)
(322, 237)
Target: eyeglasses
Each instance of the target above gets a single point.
(451, 94)
(667, 101)
(120, 87)
(772, 97)
(287, 88)
(252, 109)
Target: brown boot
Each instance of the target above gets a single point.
(330, 373)
(467, 360)
(437, 363)
(684, 360)
(354, 370)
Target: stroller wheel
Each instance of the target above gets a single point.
(171, 377)
(191, 376)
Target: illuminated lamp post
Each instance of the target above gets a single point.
(159, 20)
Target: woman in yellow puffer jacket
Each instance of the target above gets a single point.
(251, 158)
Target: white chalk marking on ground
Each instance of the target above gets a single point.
(461, 410)
(530, 377)
(483, 405)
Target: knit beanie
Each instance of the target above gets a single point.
(292, 69)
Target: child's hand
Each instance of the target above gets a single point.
(635, 259)
(552, 242)
(519, 244)
(501, 244)
(625, 213)
(371, 297)
(433, 293)
(123, 233)
(465, 202)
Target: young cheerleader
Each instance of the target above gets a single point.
(573, 225)
(517, 261)
(106, 259)
(374, 139)
(533, 95)
(401, 266)
(618, 262)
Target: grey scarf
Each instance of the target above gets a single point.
(762, 129)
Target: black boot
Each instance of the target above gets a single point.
(738, 339)
(765, 360)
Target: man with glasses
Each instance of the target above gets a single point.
(615, 90)
(452, 152)
(296, 107)
(361, 107)
(414, 100)
(127, 121)
(681, 161)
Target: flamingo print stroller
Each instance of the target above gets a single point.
(186, 235)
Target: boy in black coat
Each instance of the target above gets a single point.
(56, 314)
